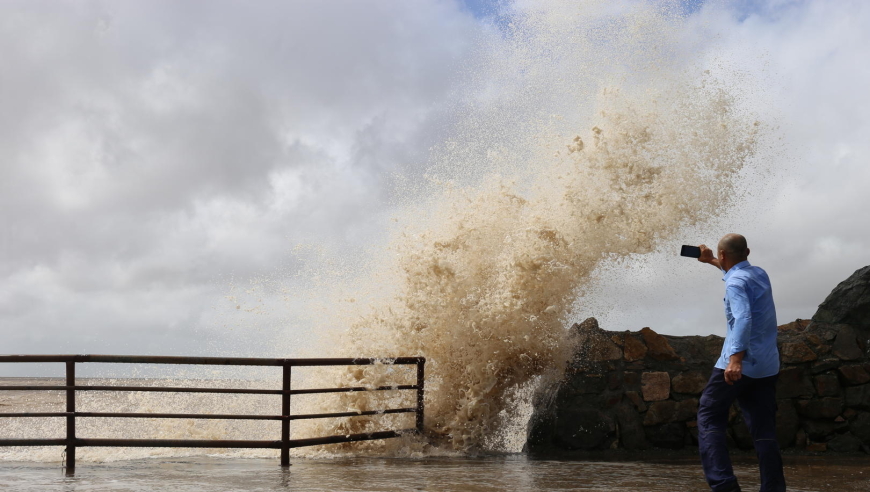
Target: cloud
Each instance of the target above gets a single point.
(151, 150)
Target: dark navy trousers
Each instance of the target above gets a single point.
(757, 400)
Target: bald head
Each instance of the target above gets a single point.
(734, 246)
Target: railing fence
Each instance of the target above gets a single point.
(284, 444)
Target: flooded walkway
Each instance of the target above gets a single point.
(490, 474)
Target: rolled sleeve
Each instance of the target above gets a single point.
(741, 310)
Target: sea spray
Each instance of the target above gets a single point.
(487, 280)
(604, 139)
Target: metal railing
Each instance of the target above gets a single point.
(284, 444)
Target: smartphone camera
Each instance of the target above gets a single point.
(691, 251)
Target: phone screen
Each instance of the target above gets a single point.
(691, 251)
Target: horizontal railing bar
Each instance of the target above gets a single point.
(176, 443)
(350, 414)
(182, 389)
(202, 443)
(317, 441)
(176, 389)
(36, 414)
(206, 416)
(216, 361)
(202, 416)
(348, 390)
(162, 389)
(199, 416)
(32, 387)
(32, 442)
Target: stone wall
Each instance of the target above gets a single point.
(639, 390)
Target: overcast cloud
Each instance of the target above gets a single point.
(156, 155)
(151, 151)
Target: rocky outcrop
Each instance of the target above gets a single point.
(639, 390)
(848, 303)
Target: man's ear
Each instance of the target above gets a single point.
(747, 252)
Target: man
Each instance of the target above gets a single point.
(746, 371)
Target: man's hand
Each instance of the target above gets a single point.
(708, 257)
(734, 371)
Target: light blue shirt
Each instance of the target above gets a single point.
(751, 319)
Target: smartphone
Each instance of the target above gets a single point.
(691, 251)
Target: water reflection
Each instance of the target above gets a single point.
(488, 474)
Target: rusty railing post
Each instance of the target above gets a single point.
(285, 414)
(70, 419)
(420, 378)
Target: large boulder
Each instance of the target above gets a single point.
(848, 303)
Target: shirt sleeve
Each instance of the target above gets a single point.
(741, 310)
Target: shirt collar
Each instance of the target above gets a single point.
(743, 264)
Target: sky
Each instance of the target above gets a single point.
(172, 172)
